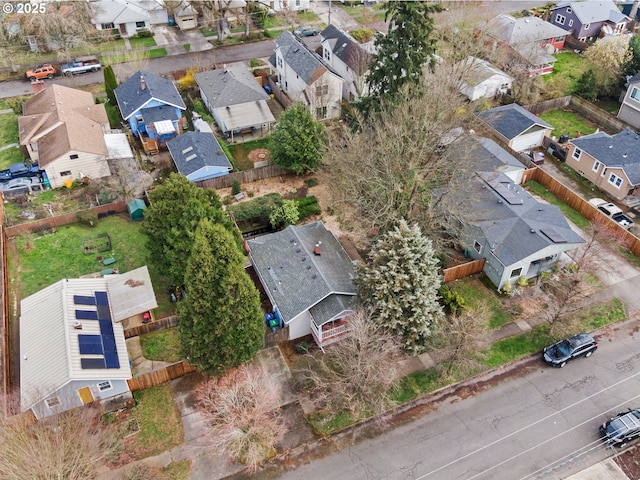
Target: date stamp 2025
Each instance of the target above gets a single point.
(24, 7)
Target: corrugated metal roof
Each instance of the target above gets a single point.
(246, 115)
(131, 293)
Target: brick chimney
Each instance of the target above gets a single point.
(143, 84)
(316, 249)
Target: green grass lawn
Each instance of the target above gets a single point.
(163, 345)
(475, 292)
(567, 122)
(178, 470)
(568, 212)
(9, 135)
(608, 104)
(568, 65)
(157, 52)
(160, 424)
(47, 258)
(241, 150)
(142, 42)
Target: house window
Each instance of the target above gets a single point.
(322, 90)
(560, 19)
(596, 166)
(576, 153)
(279, 62)
(635, 94)
(327, 54)
(297, 3)
(476, 246)
(516, 272)
(66, 173)
(107, 26)
(569, 10)
(106, 385)
(571, 22)
(586, 26)
(73, 156)
(321, 112)
(615, 180)
(604, 171)
(140, 24)
(52, 402)
(558, 39)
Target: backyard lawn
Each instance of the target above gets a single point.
(239, 151)
(570, 66)
(9, 135)
(564, 121)
(46, 258)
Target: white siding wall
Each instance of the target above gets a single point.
(87, 164)
(331, 99)
(300, 326)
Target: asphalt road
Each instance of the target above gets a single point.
(160, 66)
(538, 423)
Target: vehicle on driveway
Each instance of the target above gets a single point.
(613, 212)
(306, 31)
(41, 71)
(17, 170)
(622, 429)
(580, 345)
(21, 185)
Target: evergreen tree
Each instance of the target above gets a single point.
(400, 283)
(407, 47)
(298, 141)
(586, 86)
(177, 206)
(632, 67)
(221, 322)
(110, 84)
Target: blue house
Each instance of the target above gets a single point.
(198, 156)
(152, 107)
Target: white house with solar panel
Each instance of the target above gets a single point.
(72, 344)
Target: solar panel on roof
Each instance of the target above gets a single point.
(109, 343)
(84, 300)
(111, 359)
(92, 363)
(102, 298)
(86, 315)
(90, 344)
(104, 313)
(553, 235)
(106, 327)
(507, 192)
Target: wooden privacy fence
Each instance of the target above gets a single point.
(597, 115)
(573, 200)
(167, 322)
(160, 376)
(244, 176)
(64, 219)
(462, 271)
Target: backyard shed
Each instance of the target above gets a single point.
(136, 209)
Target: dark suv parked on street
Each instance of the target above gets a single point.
(580, 345)
(622, 428)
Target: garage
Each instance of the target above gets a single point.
(187, 23)
(532, 138)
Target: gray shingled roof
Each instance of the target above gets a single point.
(192, 151)
(297, 279)
(332, 308)
(519, 31)
(515, 230)
(485, 154)
(228, 87)
(511, 120)
(307, 64)
(131, 96)
(158, 114)
(344, 47)
(619, 150)
(594, 11)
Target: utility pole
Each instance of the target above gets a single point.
(329, 20)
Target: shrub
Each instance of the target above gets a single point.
(311, 182)
(362, 35)
(452, 301)
(236, 188)
(143, 34)
(308, 206)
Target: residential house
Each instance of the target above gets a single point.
(630, 9)
(483, 80)
(236, 101)
(286, 5)
(198, 156)
(483, 154)
(520, 129)
(610, 162)
(308, 277)
(528, 41)
(153, 108)
(589, 19)
(303, 77)
(630, 106)
(186, 17)
(347, 58)
(63, 130)
(72, 346)
(517, 236)
(128, 17)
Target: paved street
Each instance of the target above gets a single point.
(540, 423)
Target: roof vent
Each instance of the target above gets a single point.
(308, 267)
(624, 155)
(143, 84)
(532, 231)
(316, 249)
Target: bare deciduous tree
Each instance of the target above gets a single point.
(357, 373)
(242, 409)
(70, 445)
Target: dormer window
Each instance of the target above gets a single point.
(327, 54)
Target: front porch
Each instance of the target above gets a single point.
(329, 333)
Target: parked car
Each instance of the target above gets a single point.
(17, 170)
(622, 428)
(41, 71)
(306, 31)
(580, 345)
(24, 183)
(613, 212)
